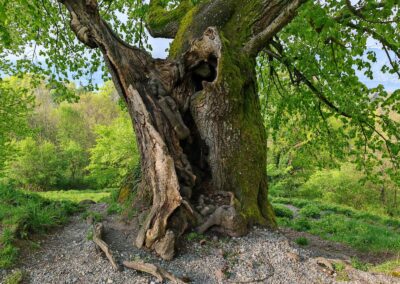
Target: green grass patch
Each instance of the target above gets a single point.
(16, 277)
(282, 211)
(328, 208)
(76, 195)
(95, 216)
(194, 236)
(358, 264)
(310, 211)
(391, 267)
(302, 241)
(23, 214)
(361, 230)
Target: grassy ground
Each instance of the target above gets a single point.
(23, 214)
(390, 267)
(361, 230)
(76, 195)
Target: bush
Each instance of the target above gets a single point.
(284, 221)
(302, 241)
(301, 224)
(341, 186)
(310, 211)
(282, 211)
(357, 264)
(35, 165)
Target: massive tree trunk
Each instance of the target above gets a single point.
(196, 114)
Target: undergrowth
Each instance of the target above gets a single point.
(23, 214)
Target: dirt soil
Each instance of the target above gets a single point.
(263, 256)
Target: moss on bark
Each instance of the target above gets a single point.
(243, 159)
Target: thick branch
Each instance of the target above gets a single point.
(163, 23)
(287, 12)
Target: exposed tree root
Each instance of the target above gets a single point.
(158, 272)
(98, 240)
(225, 217)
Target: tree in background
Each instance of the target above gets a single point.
(70, 135)
(114, 156)
(197, 114)
(16, 104)
(36, 165)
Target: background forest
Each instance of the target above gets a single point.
(85, 143)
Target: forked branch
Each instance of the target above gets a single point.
(162, 22)
(272, 25)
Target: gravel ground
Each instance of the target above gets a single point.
(67, 256)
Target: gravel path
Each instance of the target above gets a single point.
(261, 257)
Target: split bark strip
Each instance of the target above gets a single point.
(98, 239)
(154, 270)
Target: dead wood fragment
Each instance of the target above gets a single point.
(98, 240)
(158, 272)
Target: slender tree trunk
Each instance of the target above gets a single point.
(196, 115)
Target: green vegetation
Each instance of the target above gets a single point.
(302, 241)
(87, 143)
(15, 277)
(333, 143)
(389, 267)
(361, 230)
(282, 211)
(76, 196)
(22, 215)
(193, 236)
(310, 211)
(95, 216)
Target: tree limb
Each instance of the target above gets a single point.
(164, 23)
(273, 26)
(301, 77)
(344, 20)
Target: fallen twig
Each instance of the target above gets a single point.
(154, 270)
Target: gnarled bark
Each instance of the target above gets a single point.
(196, 114)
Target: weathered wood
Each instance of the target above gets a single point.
(158, 272)
(98, 229)
(196, 114)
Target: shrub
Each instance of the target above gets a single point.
(357, 264)
(301, 224)
(284, 221)
(35, 165)
(302, 241)
(341, 186)
(310, 211)
(282, 211)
